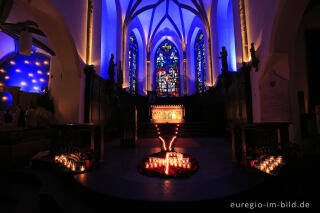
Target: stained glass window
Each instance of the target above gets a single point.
(167, 70)
(133, 63)
(200, 61)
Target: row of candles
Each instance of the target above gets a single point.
(69, 164)
(172, 159)
(270, 164)
(164, 145)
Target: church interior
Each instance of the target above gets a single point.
(159, 104)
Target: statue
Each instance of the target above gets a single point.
(224, 61)
(254, 59)
(111, 71)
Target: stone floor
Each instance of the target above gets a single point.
(24, 189)
(216, 178)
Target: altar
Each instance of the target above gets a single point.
(167, 120)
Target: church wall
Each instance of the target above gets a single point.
(96, 36)
(260, 16)
(74, 13)
(298, 67)
(66, 80)
(7, 45)
(226, 31)
(273, 27)
(110, 36)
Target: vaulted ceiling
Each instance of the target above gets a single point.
(155, 15)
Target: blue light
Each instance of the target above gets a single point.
(108, 35)
(31, 73)
(226, 35)
(7, 45)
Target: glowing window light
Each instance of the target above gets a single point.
(6, 77)
(36, 88)
(34, 81)
(18, 70)
(30, 74)
(4, 98)
(12, 62)
(37, 63)
(2, 71)
(200, 61)
(132, 65)
(42, 80)
(39, 72)
(27, 62)
(1, 84)
(167, 70)
(23, 83)
(46, 62)
(48, 73)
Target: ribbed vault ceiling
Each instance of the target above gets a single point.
(155, 15)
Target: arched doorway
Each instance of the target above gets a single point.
(167, 70)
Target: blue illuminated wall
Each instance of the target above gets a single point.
(7, 45)
(31, 73)
(108, 35)
(226, 36)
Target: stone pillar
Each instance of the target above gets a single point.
(89, 32)
(244, 32)
(185, 88)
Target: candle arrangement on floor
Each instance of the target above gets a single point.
(168, 163)
(75, 162)
(269, 164)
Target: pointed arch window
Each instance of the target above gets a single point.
(167, 70)
(200, 61)
(133, 63)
